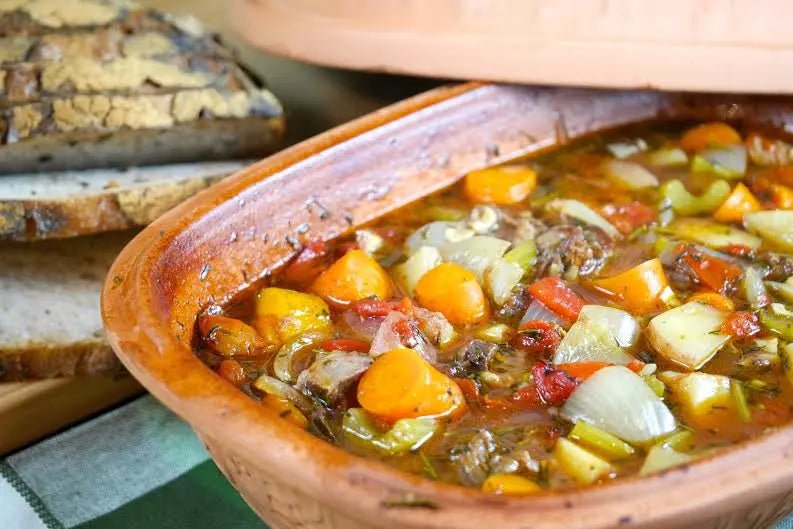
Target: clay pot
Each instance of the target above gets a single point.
(227, 239)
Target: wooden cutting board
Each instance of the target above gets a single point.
(32, 410)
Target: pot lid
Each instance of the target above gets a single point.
(701, 45)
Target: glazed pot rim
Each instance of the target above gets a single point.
(167, 367)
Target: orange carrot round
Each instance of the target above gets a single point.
(402, 384)
(500, 185)
(454, 292)
(708, 135)
(356, 275)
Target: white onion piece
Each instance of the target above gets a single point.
(538, 311)
(386, 339)
(588, 341)
(501, 278)
(732, 158)
(284, 363)
(583, 213)
(363, 328)
(621, 325)
(273, 386)
(436, 234)
(475, 253)
(631, 175)
(617, 400)
(626, 149)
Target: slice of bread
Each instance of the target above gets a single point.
(49, 307)
(70, 203)
(102, 83)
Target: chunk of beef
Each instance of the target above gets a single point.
(332, 373)
(779, 266)
(472, 358)
(515, 306)
(570, 251)
(472, 459)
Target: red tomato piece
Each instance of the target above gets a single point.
(373, 308)
(346, 344)
(315, 257)
(537, 337)
(635, 365)
(629, 217)
(558, 297)
(408, 332)
(553, 385)
(717, 274)
(741, 324)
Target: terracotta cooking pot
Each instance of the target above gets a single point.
(229, 238)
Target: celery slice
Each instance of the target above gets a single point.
(605, 444)
(739, 398)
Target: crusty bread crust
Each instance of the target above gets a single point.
(41, 360)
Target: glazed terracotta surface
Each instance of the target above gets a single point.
(225, 240)
(672, 45)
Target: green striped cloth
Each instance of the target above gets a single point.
(137, 467)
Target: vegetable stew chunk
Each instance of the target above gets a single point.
(621, 306)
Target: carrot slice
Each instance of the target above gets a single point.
(356, 275)
(558, 297)
(582, 370)
(500, 185)
(642, 289)
(454, 292)
(740, 201)
(402, 384)
(707, 135)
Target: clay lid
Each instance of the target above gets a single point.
(702, 45)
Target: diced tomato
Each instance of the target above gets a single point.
(558, 297)
(538, 338)
(629, 217)
(372, 308)
(526, 398)
(468, 387)
(635, 365)
(315, 257)
(582, 370)
(738, 250)
(717, 274)
(741, 324)
(408, 332)
(553, 385)
(232, 371)
(346, 344)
